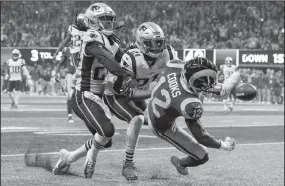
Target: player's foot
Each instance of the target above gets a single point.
(89, 167)
(231, 109)
(70, 120)
(129, 171)
(62, 166)
(181, 170)
(12, 105)
(16, 106)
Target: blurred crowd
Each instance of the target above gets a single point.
(232, 24)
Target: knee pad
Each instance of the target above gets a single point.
(200, 161)
(139, 118)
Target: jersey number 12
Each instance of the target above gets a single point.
(162, 105)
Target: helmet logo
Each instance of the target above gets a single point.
(142, 28)
(94, 7)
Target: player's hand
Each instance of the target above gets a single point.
(6, 77)
(123, 85)
(228, 144)
(217, 90)
(30, 83)
(54, 57)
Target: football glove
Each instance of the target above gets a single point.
(228, 144)
(29, 82)
(124, 85)
(132, 46)
(115, 39)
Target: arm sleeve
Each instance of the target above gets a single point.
(201, 135)
(25, 69)
(63, 43)
(105, 57)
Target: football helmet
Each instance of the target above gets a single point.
(16, 54)
(80, 23)
(100, 17)
(199, 75)
(150, 39)
(228, 61)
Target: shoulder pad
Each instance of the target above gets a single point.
(128, 62)
(191, 108)
(176, 63)
(92, 36)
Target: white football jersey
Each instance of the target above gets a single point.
(228, 71)
(15, 69)
(75, 38)
(90, 74)
(144, 72)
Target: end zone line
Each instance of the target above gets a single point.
(143, 149)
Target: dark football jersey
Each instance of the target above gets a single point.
(171, 98)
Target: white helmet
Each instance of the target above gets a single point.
(16, 54)
(150, 39)
(229, 61)
(100, 17)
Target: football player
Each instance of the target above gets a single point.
(228, 69)
(15, 67)
(99, 49)
(70, 56)
(177, 94)
(146, 60)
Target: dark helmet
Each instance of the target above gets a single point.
(199, 74)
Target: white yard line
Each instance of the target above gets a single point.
(144, 149)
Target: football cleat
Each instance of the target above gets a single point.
(181, 170)
(62, 166)
(129, 171)
(70, 121)
(89, 168)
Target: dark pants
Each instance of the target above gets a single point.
(123, 108)
(93, 112)
(14, 85)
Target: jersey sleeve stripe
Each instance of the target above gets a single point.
(170, 52)
(133, 62)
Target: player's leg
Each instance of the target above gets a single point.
(142, 105)
(126, 110)
(11, 87)
(99, 118)
(226, 104)
(69, 95)
(232, 99)
(17, 93)
(183, 141)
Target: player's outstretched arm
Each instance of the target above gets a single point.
(62, 45)
(106, 58)
(138, 94)
(204, 138)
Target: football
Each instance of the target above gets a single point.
(245, 92)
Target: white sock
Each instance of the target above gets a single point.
(80, 152)
(98, 144)
(133, 136)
